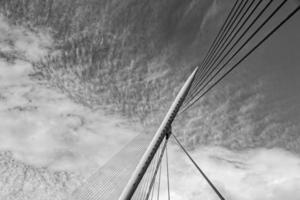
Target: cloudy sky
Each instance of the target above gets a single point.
(43, 127)
(273, 74)
(276, 64)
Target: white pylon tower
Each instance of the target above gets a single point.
(157, 140)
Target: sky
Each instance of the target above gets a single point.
(262, 94)
(40, 124)
(272, 73)
(43, 127)
(276, 64)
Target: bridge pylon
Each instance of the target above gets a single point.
(162, 132)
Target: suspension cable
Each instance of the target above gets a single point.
(237, 14)
(233, 46)
(152, 192)
(221, 32)
(240, 16)
(245, 56)
(152, 187)
(199, 169)
(220, 52)
(159, 180)
(157, 167)
(168, 176)
(150, 175)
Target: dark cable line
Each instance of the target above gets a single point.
(250, 52)
(152, 178)
(168, 176)
(142, 186)
(140, 192)
(151, 171)
(237, 14)
(221, 51)
(233, 46)
(241, 47)
(240, 16)
(152, 187)
(159, 180)
(148, 175)
(199, 169)
(228, 27)
(152, 192)
(221, 31)
(152, 175)
(232, 17)
(157, 166)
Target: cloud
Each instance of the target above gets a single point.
(40, 125)
(269, 174)
(238, 115)
(211, 12)
(43, 127)
(22, 42)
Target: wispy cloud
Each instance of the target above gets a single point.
(22, 42)
(211, 12)
(235, 116)
(40, 125)
(43, 127)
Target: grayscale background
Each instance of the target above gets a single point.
(80, 78)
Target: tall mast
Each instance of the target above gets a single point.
(157, 140)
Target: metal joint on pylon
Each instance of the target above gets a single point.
(169, 132)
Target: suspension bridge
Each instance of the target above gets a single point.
(135, 172)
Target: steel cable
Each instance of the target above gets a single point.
(199, 169)
(249, 53)
(209, 69)
(221, 31)
(237, 14)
